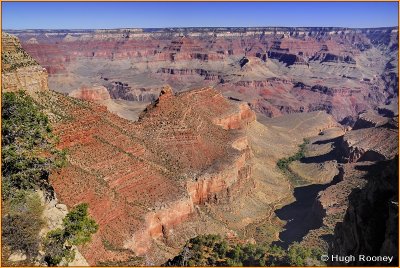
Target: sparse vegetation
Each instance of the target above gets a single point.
(283, 164)
(213, 250)
(28, 152)
(299, 255)
(77, 229)
(22, 222)
(12, 55)
(28, 156)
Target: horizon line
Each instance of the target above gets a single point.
(189, 27)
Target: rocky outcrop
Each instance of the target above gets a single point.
(369, 119)
(30, 79)
(237, 119)
(370, 144)
(375, 208)
(19, 70)
(222, 186)
(93, 93)
(119, 90)
(53, 215)
(159, 225)
(389, 110)
(329, 57)
(286, 58)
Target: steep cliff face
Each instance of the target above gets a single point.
(375, 209)
(238, 119)
(19, 70)
(347, 71)
(370, 119)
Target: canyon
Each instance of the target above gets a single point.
(159, 164)
(277, 70)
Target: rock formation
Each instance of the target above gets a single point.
(19, 70)
(94, 93)
(142, 180)
(367, 144)
(359, 216)
(369, 119)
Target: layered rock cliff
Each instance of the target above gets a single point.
(19, 70)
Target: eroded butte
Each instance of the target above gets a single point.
(193, 163)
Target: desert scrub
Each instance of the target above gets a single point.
(283, 164)
(77, 229)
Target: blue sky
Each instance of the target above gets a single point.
(100, 15)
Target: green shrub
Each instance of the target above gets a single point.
(77, 229)
(28, 152)
(55, 248)
(78, 226)
(283, 163)
(212, 250)
(299, 255)
(28, 155)
(22, 222)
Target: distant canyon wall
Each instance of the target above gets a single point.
(277, 70)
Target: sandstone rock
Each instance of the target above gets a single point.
(17, 256)
(19, 70)
(31, 79)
